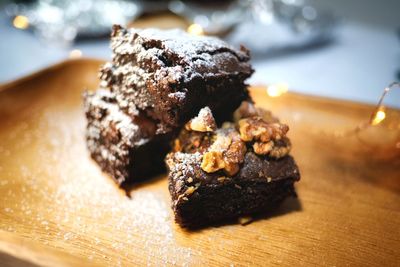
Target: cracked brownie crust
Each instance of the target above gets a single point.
(171, 75)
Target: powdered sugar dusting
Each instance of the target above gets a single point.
(185, 163)
(54, 194)
(151, 69)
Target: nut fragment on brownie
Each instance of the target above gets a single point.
(204, 122)
(248, 109)
(226, 153)
(220, 174)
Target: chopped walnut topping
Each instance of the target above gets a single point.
(221, 142)
(257, 129)
(225, 148)
(226, 153)
(263, 148)
(269, 138)
(204, 122)
(281, 150)
(247, 109)
(234, 155)
(212, 161)
(231, 168)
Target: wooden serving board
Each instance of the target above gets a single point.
(58, 209)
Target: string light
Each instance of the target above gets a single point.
(21, 22)
(378, 117)
(278, 89)
(195, 29)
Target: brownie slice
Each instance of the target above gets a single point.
(170, 75)
(238, 170)
(125, 147)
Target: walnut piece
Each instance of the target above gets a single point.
(263, 148)
(204, 122)
(269, 138)
(212, 161)
(282, 149)
(247, 110)
(234, 155)
(257, 129)
(273, 149)
(226, 153)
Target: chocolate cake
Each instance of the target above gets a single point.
(125, 147)
(223, 164)
(170, 75)
(157, 80)
(239, 169)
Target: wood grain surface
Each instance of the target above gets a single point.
(58, 209)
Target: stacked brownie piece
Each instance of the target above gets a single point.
(124, 146)
(168, 91)
(158, 80)
(170, 75)
(241, 168)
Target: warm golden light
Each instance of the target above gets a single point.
(76, 53)
(21, 22)
(195, 29)
(379, 116)
(275, 90)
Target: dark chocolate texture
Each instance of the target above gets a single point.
(124, 147)
(170, 75)
(200, 198)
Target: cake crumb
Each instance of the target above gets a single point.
(190, 190)
(245, 220)
(221, 179)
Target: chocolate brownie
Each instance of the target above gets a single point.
(125, 147)
(237, 170)
(170, 75)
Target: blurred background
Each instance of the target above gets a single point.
(341, 49)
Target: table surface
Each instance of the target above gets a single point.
(57, 208)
